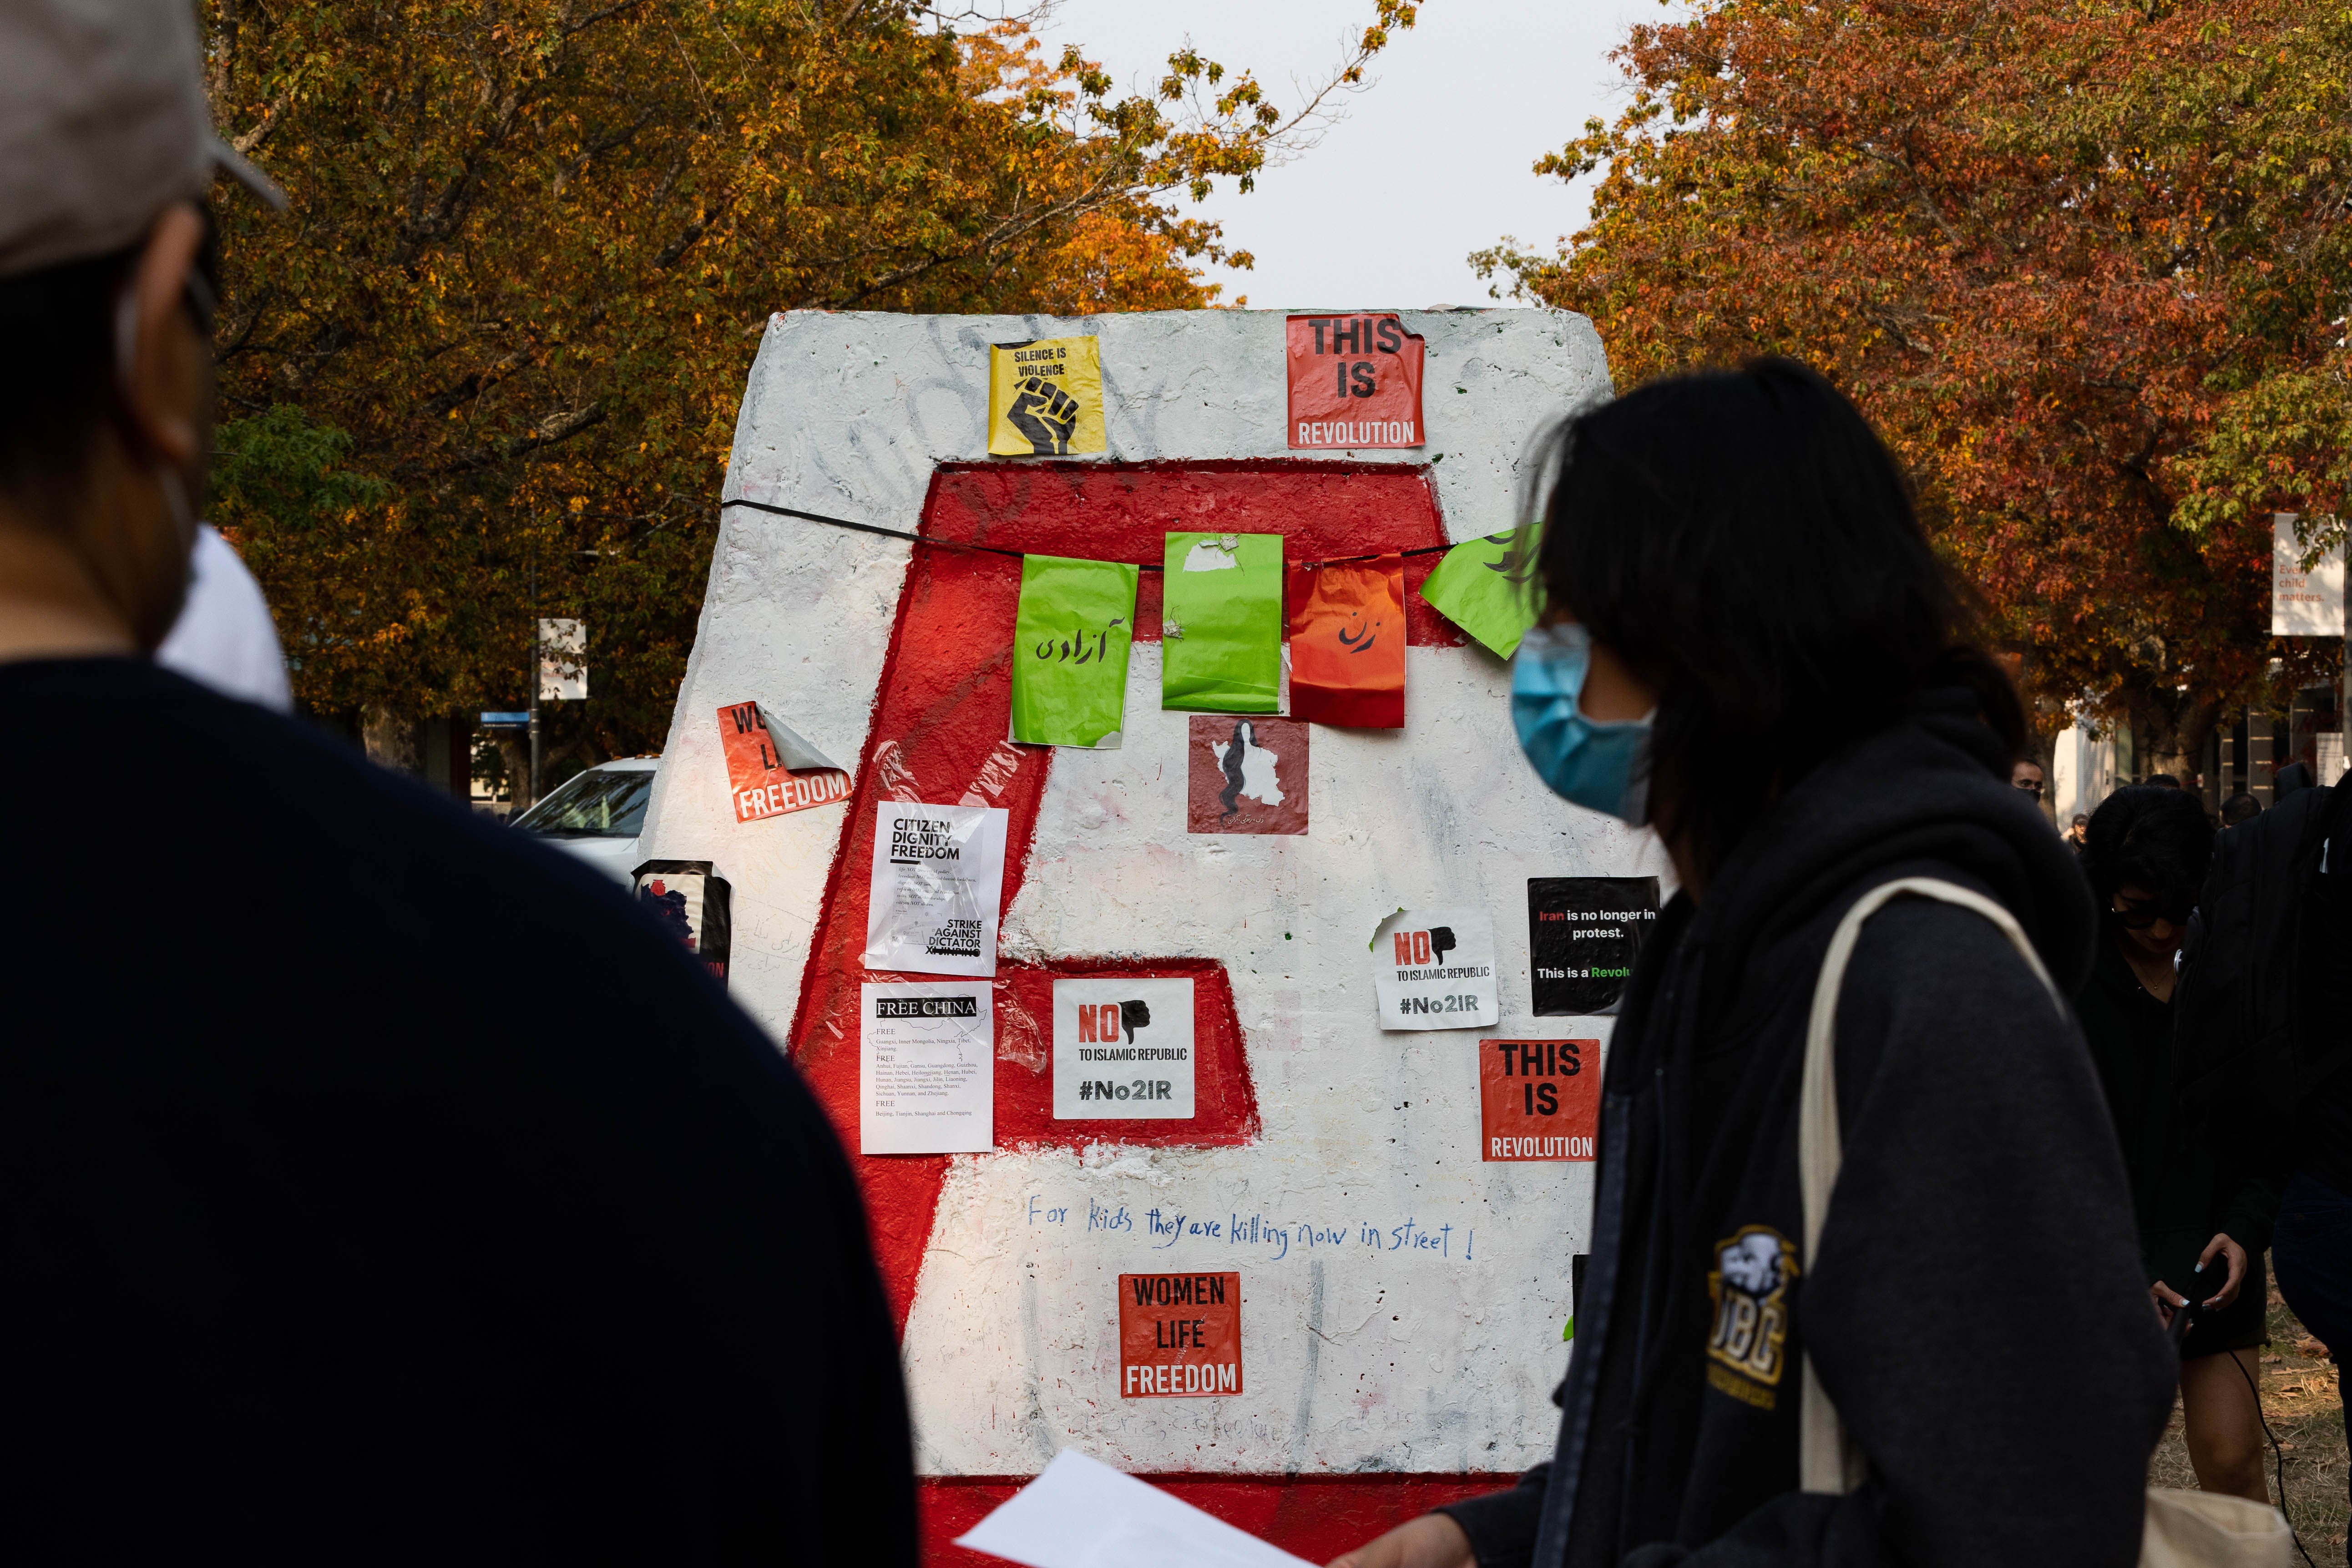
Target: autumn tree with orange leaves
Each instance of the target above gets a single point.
(533, 245)
(2086, 264)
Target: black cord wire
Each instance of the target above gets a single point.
(1017, 554)
(2277, 1454)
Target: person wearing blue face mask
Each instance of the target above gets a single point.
(1600, 763)
(1749, 647)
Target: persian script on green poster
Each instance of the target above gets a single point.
(1221, 625)
(1487, 587)
(1070, 641)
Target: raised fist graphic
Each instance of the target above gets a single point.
(1133, 1015)
(1045, 414)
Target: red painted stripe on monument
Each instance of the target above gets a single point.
(940, 714)
(1313, 1517)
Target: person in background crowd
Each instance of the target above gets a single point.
(2202, 1229)
(2265, 1055)
(1749, 643)
(2074, 834)
(2289, 779)
(2163, 781)
(378, 1185)
(2027, 776)
(2240, 808)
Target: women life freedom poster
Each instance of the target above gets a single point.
(938, 883)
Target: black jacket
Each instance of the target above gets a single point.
(378, 1185)
(2264, 986)
(1976, 1313)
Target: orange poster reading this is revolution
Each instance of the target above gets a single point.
(1355, 382)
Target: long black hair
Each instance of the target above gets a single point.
(1746, 543)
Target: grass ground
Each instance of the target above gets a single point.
(2300, 1403)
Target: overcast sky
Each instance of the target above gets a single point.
(1429, 164)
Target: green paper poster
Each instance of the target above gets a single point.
(1070, 639)
(1221, 625)
(1487, 587)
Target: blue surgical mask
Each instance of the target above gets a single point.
(1605, 767)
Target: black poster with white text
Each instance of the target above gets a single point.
(1584, 933)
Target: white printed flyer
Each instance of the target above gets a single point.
(1123, 1048)
(1434, 969)
(926, 1069)
(937, 888)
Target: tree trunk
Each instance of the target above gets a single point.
(2169, 730)
(391, 740)
(515, 752)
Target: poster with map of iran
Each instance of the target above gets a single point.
(1245, 774)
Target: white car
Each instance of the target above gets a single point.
(597, 814)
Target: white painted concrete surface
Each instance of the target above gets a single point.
(1355, 1356)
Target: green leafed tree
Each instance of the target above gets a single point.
(532, 248)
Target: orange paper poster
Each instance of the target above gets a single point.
(1355, 382)
(771, 771)
(1347, 643)
(1178, 1334)
(1539, 1099)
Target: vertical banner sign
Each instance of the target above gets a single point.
(1179, 1335)
(694, 903)
(2305, 604)
(938, 886)
(1070, 639)
(1539, 1099)
(770, 770)
(1044, 398)
(1434, 969)
(1123, 1050)
(926, 1069)
(1488, 587)
(1245, 775)
(1221, 623)
(1355, 381)
(1347, 643)
(1583, 934)
(562, 661)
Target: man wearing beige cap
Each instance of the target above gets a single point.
(375, 1183)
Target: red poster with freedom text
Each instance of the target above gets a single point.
(759, 780)
(1179, 1335)
(1539, 1099)
(1355, 382)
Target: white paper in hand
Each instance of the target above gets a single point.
(1081, 1513)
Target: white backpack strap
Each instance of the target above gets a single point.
(1827, 1463)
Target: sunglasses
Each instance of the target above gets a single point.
(2138, 914)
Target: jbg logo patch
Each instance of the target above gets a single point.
(1749, 1285)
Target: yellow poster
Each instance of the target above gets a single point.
(1044, 398)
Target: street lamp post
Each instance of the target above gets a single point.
(536, 656)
